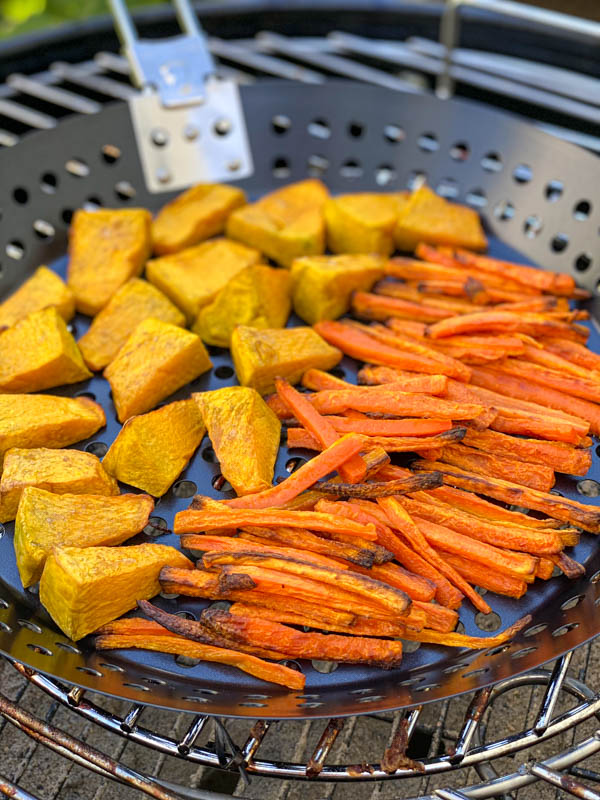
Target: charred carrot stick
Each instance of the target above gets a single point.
(579, 515)
(467, 287)
(379, 488)
(133, 626)
(409, 293)
(509, 537)
(401, 404)
(502, 322)
(353, 470)
(372, 591)
(416, 587)
(297, 644)
(523, 389)
(573, 352)
(390, 427)
(380, 307)
(571, 568)
(483, 576)
(509, 562)
(363, 347)
(321, 465)
(535, 476)
(402, 520)
(545, 358)
(176, 645)
(198, 583)
(320, 616)
(304, 540)
(544, 280)
(586, 388)
(447, 365)
(462, 640)
(445, 593)
(299, 437)
(537, 304)
(558, 455)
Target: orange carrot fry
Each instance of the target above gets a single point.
(462, 640)
(545, 358)
(572, 351)
(571, 568)
(401, 380)
(535, 476)
(501, 321)
(402, 520)
(176, 645)
(379, 307)
(298, 644)
(578, 514)
(483, 576)
(523, 389)
(586, 388)
(359, 345)
(412, 293)
(437, 617)
(390, 427)
(544, 280)
(316, 380)
(545, 568)
(558, 455)
(355, 469)
(399, 404)
(377, 488)
(321, 465)
(416, 587)
(133, 626)
(299, 437)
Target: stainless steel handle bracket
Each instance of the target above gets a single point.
(189, 124)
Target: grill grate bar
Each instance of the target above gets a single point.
(51, 94)
(88, 80)
(552, 692)
(192, 734)
(254, 741)
(323, 748)
(8, 789)
(131, 718)
(27, 116)
(262, 62)
(475, 712)
(564, 782)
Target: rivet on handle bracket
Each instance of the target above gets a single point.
(189, 125)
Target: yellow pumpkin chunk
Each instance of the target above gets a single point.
(173, 431)
(83, 588)
(134, 302)
(155, 361)
(106, 248)
(426, 217)
(46, 520)
(195, 215)
(322, 286)
(59, 471)
(192, 278)
(260, 356)
(258, 296)
(38, 352)
(44, 288)
(45, 420)
(361, 223)
(244, 433)
(285, 224)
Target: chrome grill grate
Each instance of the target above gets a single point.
(534, 736)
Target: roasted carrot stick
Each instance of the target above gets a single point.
(390, 427)
(355, 469)
(467, 287)
(401, 380)
(462, 640)
(372, 591)
(321, 465)
(503, 322)
(133, 626)
(523, 389)
(198, 583)
(483, 576)
(582, 516)
(177, 645)
(586, 388)
(437, 617)
(545, 358)
(297, 644)
(557, 455)
(300, 437)
(379, 307)
(510, 537)
(572, 351)
(445, 593)
(535, 476)
(544, 280)
(416, 587)
(545, 568)
(363, 347)
(378, 488)
(399, 404)
(402, 520)
(316, 380)
(571, 568)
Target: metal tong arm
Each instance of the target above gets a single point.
(176, 68)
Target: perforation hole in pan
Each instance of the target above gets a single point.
(389, 151)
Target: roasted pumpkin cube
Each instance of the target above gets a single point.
(38, 352)
(361, 223)
(258, 296)
(174, 431)
(134, 302)
(195, 215)
(45, 420)
(285, 224)
(59, 471)
(322, 286)
(260, 356)
(426, 217)
(156, 360)
(44, 288)
(106, 248)
(46, 520)
(192, 278)
(244, 433)
(83, 588)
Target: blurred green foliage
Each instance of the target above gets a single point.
(21, 16)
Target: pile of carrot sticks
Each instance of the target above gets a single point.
(478, 367)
